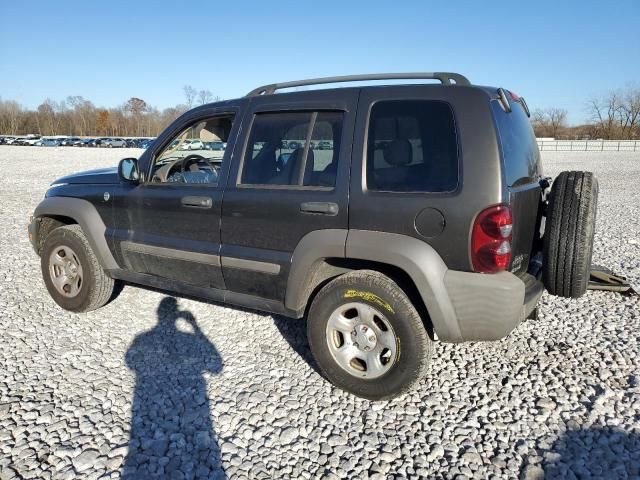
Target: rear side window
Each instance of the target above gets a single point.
(412, 147)
(293, 148)
(520, 155)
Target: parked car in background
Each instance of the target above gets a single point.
(217, 146)
(192, 144)
(98, 142)
(30, 141)
(145, 143)
(324, 145)
(114, 142)
(69, 141)
(49, 142)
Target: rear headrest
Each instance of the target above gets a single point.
(398, 153)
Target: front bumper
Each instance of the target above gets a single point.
(33, 229)
(490, 306)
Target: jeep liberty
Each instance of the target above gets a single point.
(388, 216)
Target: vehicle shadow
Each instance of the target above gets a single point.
(596, 452)
(294, 331)
(171, 433)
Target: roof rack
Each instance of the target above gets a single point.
(447, 78)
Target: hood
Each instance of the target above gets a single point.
(98, 176)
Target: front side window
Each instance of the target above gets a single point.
(293, 148)
(412, 147)
(193, 156)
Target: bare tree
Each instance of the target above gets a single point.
(557, 120)
(83, 113)
(11, 113)
(629, 113)
(48, 117)
(549, 122)
(136, 107)
(102, 121)
(205, 96)
(539, 123)
(603, 114)
(189, 95)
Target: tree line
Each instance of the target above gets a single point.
(613, 116)
(76, 115)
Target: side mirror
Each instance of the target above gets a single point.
(128, 170)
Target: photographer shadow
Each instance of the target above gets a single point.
(171, 433)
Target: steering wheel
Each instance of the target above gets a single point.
(190, 160)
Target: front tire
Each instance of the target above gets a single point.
(367, 337)
(71, 271)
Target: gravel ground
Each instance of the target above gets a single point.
(150, 386)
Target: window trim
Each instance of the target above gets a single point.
(298, 186)
(365, 148)
(171, 138)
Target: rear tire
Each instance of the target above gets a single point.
(71, 271)
(382, 349)
(568, 239)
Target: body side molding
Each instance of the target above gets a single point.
(189, 256)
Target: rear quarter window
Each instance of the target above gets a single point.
(412, 147)
(520, 154)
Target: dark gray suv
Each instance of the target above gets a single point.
(424, 217)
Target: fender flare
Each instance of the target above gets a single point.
(312, 249)
(89, 220)
(423, 265)
(415, 257)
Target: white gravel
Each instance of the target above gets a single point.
(119, 393)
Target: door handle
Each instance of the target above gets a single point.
(197, 202)
(319, 208)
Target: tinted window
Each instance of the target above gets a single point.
(277, 152)
(412, 147)
(520, 154)
(322, 159)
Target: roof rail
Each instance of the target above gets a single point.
(444, 77)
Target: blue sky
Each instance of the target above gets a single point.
(553, 53)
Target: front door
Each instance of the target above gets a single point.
(168, 226)
(292, 178)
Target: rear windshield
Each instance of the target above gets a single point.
(520, 153)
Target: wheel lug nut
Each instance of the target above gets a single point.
(364, 328)
(366, 348)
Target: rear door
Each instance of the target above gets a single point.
(284, 186)
(522, 170)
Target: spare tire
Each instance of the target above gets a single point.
(569, 230)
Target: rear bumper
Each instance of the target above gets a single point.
(489, 307)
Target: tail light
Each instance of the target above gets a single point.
(491, 240)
